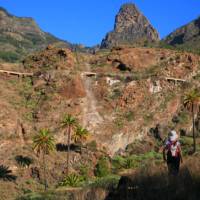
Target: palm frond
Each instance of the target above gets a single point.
(43, 142)
(69, 120)
(81, 134)
(191, 99)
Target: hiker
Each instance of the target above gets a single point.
(174, 155)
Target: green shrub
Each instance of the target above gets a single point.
(26, 89)
(29, 116)
(37, 196)
(150, 155)
(92, 145)
(134, 161)
(119, 123)
(72, 180)
(116, 93)
(129, 116)
(119, 162)
(107, 182)
(102, 168)
(186, 143)
(9, 56)
(35, 39)
(128, 163)
(152, 71)
(148, 118)
(197, 77)
(183, 117)
(84, 172)
(168, 98)
(25, 190)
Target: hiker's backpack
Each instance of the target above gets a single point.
(173, 149)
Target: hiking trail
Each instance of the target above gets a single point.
(91, 116)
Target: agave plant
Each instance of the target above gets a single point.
(121, 162)
(72, 180)
(5, 174)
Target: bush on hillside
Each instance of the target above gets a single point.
(9, 56)
(72, 180)
(102, 168)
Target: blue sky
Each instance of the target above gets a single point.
(87, 21)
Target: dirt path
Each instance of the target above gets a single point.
(91, 116)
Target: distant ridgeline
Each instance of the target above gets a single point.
(20, 36)
(132, 28)
(186, 37)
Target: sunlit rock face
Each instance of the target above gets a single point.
(131, 28)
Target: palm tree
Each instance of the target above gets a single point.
(191, 102)
(44, 143)
(81, 134)
(69, 123)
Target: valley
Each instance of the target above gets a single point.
(104, 113)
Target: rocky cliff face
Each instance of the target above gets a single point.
(19, 36)
(131, 28)
(186, 37)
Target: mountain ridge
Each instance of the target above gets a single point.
(127, 98)
(20, 36)
(186, 37)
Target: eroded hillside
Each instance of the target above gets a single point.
(141, 87)
(120, 96)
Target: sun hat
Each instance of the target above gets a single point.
(173, 136)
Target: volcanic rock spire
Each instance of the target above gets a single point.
(131, 28)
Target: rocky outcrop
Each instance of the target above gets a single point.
(167, 63)
(49, 59)
(74, 89)
(131, 28)
(22, 35)
(187, 37)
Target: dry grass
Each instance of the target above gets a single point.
(153, 183)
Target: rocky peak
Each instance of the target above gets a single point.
(18, 25)
(127, 16)
(131, 28)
